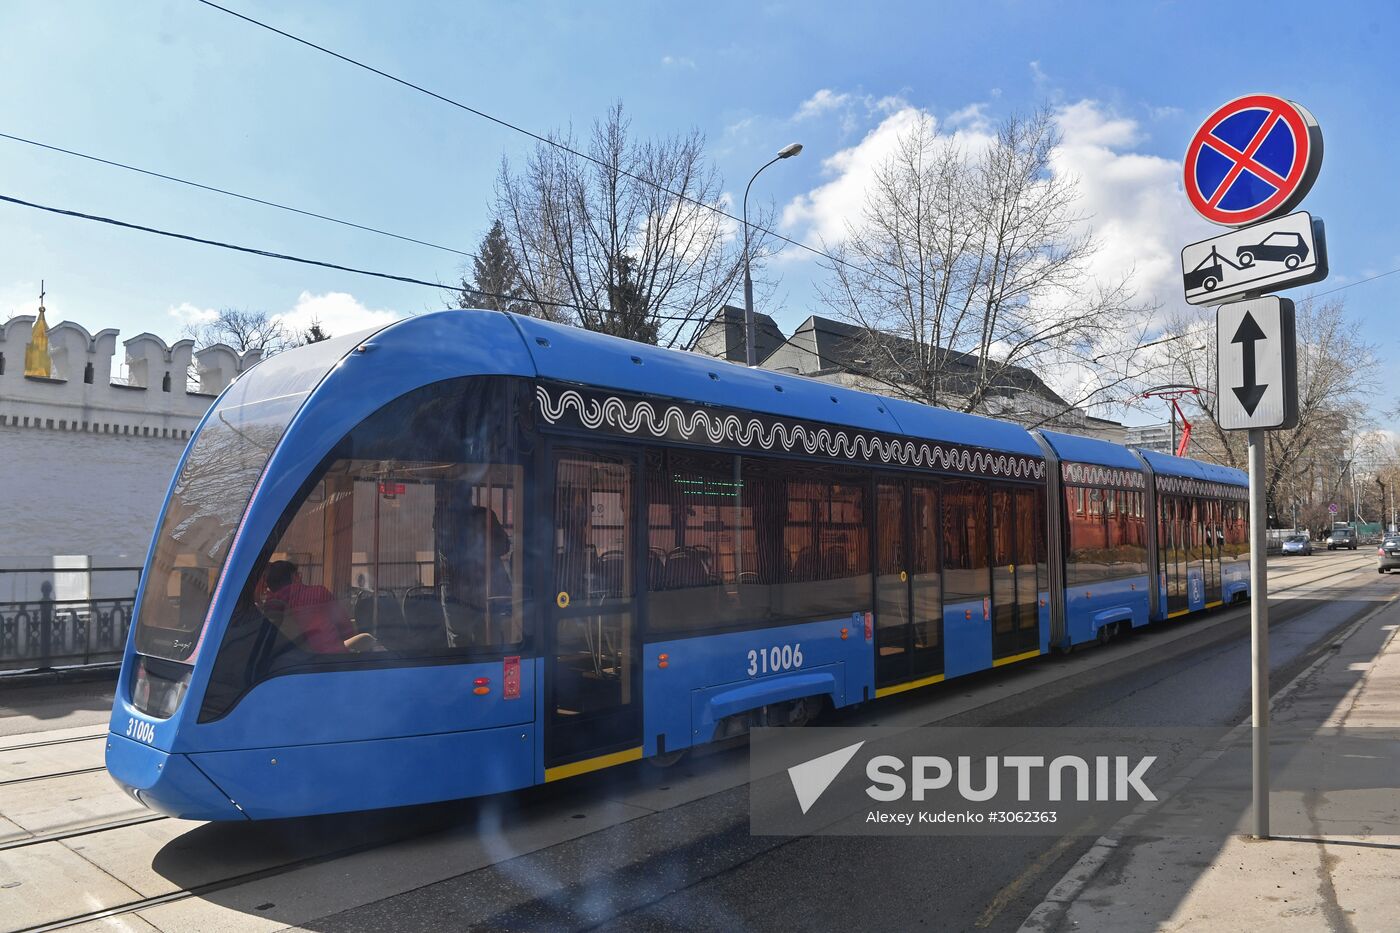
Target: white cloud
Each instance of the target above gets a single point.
(189, 315)
(1133, 202)
(678, 61)
(339, 313)
(824, 101)
(1086, 123)
(738, 126)
(825, 211)
(972, 117)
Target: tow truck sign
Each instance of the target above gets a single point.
(1278, 253)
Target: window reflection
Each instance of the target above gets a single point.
(405, 544)
(1107, 534)
(741, 540)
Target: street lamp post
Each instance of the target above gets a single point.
(750, 350)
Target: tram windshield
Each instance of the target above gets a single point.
(225, 460)
(406, 543)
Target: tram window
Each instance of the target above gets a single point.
(1088, 556)
(417, 557)
(739, 541)
(405, 543)
(966, 568)
(1127, 533)
(1236, 531)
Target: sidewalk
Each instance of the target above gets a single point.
(1322, 882)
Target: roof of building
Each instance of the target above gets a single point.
(723, 335)
(821, 344)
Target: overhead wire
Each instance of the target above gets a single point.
(233, 194)
(286, 257)
(564, 147)
(545, 140)
(516, 128)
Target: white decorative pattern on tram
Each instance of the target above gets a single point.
(698, 424)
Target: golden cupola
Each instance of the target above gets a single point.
(37, 361)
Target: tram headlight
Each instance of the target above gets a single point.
(159, 686)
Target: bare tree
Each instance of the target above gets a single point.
(968, 267)
(629, 237)
(245, 330)
(1309, 464)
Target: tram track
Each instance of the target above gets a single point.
(403, 831)
(65, 741)
(61, 835)
(50, 776)
(406, 830)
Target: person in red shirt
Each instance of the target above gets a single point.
(308, 615)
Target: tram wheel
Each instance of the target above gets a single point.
(800, 712)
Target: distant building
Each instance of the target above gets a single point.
(723, 336)
(1156, 437)
(89, 455)
(832, 351)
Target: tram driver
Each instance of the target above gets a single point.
(309, 616)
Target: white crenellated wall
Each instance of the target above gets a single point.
(86, 457)
(155, 399)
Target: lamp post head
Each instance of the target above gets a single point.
(790, 150)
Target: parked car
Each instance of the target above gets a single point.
(1388, 554)
(1287, 248)
(1341, 538)
(1297, 544)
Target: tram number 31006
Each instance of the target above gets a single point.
(140, 731)
(774, 659)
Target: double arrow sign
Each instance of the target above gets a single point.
(1251, 392)
(1255, 353)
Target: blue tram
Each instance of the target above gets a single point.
(472, 552)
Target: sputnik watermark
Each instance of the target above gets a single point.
(1117, 778)
(933, 773)
(1009, 780)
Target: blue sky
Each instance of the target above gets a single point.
(180, 88)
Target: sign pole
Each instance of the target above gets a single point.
(1256, 344)
(1259, 629)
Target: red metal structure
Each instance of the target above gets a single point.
(1173, 394)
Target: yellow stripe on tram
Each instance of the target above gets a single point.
(1179, 612)
(1023, 656)
(1218, 602)
(911, 685)
(574, 768)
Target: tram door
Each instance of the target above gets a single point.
(593, 696)
(1176, 526)
(908, 590)
(1215, 543)
(1017, 562)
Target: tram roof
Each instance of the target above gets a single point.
(572, 354)
(1167, 465)
(1078, 449)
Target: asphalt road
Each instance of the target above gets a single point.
(697, 866)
